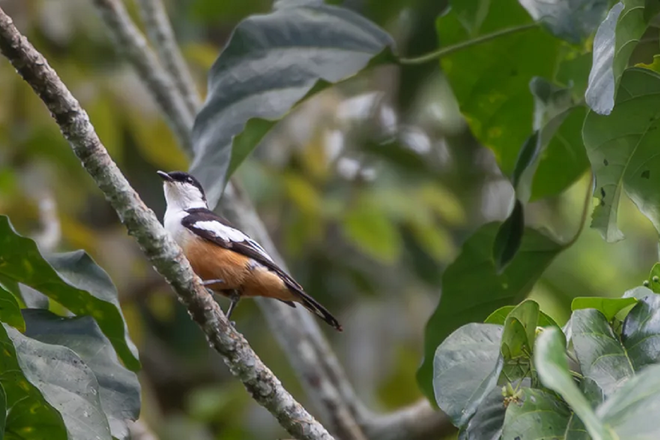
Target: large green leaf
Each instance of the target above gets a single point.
(538, 415)
(65, 382)
(271, 63)
(572, 20)
(471, 288)
(30, 416)
(466, 367)
(632, 412)
(552, 367)
(615, 40)
(119, 388)
(641, 332)
(10, 311)
(72, 279)
(622, 149)
(490, 80)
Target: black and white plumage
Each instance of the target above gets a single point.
(223, 256)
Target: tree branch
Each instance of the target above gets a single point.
(297, 332)
(162, 37)
(158, 246)
(129, 40)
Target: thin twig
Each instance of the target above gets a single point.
(132, 43)
(444, 51)
(162, 37)
(158, 246)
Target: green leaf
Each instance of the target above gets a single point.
(10, 311)
(486, 423)
(271, 63)
(527, 314)
(539, 415)
(490, 80)
(373, 233)
(601, 354)
(572, 21)
(641, 332)
(499, 317)
(622, 149)
(509, 237)
(30, 416)
(632, 411)
(119, 389)
(607, 306)
(72, 279)
(471, 13)
(615, 40)
(3, 412)
(65, 382)
(552, 368)
(472, 289)
(466, 367)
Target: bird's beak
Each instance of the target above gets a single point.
(166, 177)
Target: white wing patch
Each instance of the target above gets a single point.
(227, 233)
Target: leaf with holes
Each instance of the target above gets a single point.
(622, 149)
(271, 63)
(72, 279)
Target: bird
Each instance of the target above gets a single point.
(227, 260)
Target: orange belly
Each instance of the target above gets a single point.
(211, 262)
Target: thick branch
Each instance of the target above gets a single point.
(155, 242)
(132, 43)
(162, 37)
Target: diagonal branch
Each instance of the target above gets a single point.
(158, 246)
(162, 37)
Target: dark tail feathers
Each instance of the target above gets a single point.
(313, 306)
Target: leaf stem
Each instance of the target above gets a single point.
(585, 211)
(444, 51)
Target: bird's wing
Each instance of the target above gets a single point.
(210, 226)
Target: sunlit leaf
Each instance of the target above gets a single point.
(472, 289)
(615, 40)
(72, 279)
(271, 63)
(622, 149)
(571, 20)
(499, 316)
(609, 307)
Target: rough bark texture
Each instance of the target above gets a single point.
(157, 245)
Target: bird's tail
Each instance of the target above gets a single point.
(316, 308)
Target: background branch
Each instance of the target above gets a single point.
(162, 251)
(297, 332)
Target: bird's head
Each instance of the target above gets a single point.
(182, 191)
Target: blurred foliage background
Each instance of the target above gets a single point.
(368, 231)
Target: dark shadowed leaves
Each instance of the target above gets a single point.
(271, 63)
(538, 415)
(571, 20)
(466, 367)
(486, 423)
(10, 311)
(509, 237)
(472, 289)
(622, 149)
(641, 332)
(119, 388)
(552, 368)
(615, 40)
(72, 279)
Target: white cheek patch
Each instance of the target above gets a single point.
(228, 233)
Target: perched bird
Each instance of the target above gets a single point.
(227, 260)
